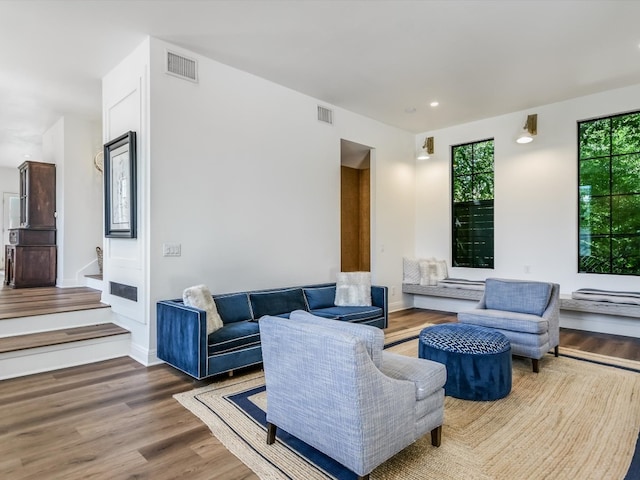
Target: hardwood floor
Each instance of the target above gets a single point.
(25, 302)
(117, 419)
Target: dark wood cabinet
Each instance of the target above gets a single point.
(30, 265)
(30, 259)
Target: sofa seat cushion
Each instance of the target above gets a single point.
(234, 336)
(501, 320)
(276, 302)
(517, 296)
(349, 314)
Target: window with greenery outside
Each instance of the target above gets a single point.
(472, 194)
(609, 195)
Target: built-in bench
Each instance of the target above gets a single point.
(566, 302)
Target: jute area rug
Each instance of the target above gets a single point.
(577, 419)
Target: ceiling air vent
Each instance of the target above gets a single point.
(182, 67)
(325, 115)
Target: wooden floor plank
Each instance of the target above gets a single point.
(117, 419)
(59, 337)
(25, 302)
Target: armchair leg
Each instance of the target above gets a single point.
(271, 433)
(556, 350)
(436, 436)
(536, 365)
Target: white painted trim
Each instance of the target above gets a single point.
(593, 322)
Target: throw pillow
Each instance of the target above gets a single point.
(441, 269)
(353, 289)
(411, 270)
(200, 297)
(428, 273)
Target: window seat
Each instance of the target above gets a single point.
(566, 301)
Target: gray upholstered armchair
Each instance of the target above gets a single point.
(331, 385)
(526, 312)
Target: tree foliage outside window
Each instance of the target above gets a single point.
(609, 195)
(472, 194)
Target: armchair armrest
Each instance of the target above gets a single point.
(427, 376)
(182, 337)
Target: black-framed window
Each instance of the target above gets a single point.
(472, 189)
(609, 195)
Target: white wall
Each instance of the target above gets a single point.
(536, 213)
(9, 183)
(239, 171)
(71, 144)
(125, 100)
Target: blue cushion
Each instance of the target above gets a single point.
(320, 297)
(277, 302)
(234, 336)
(517, 296)
(349, 314)
(233, 307)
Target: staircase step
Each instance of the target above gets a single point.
(31, 353)
(58, 337)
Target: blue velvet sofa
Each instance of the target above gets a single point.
(182, 330)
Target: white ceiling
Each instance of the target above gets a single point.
(478, 58)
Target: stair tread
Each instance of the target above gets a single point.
(59, 337)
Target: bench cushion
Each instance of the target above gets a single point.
(595, 295)
(517, 296)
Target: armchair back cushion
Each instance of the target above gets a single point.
(517, 296)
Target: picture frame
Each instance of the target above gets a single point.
(120, 187)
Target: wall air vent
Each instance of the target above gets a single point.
(181, 66)
(325, 115)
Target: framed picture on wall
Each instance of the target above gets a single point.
(120, 187)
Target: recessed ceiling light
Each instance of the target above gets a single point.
(434, 104)
(410, 110)
(27, 156)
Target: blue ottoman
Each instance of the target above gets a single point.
(478, 359)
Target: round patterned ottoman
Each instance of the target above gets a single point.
(478, 359)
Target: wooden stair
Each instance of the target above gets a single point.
(43, 329)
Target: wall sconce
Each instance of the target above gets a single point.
(427, 149)
(530, 129)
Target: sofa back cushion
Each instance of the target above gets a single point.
(276, 302)
(517, 296)
(320, 297)
(233, 307)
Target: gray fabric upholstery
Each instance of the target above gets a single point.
(324, 388)
(530, 335)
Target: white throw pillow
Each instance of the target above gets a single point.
(411, 270)
(441, 269)
(353, 289)
(200, 297)
(428, 273)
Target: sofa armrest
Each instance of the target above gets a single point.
(182, 337)
(379, 298)
(426, 375)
